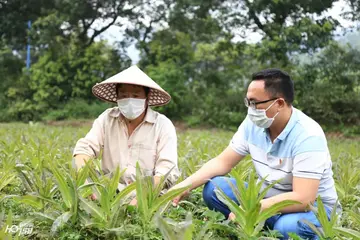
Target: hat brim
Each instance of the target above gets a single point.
(106, 91)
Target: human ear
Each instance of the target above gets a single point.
(281, 103)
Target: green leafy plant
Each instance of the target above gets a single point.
(45, 184)
(347, 179)
(4, 223)
(189, 228)
(38, 184)
(148, 195)
(171, 230)
(249, 218)
(105, 214)
(8, 153)
(329, 226)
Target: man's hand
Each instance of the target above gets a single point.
(93, 196)
(176, 200)
(232, 216)
(133, 202)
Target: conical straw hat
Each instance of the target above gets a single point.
(106, 90)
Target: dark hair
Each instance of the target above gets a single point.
(277, 83)
(147, 90)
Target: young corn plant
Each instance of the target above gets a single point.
(355, 215)
(63, 206)
(8, 153)
(171, 230)
(347, 179)
(4, 225)
(191, 157)
(148, 196)
(107, 214)
(243, 169)
(6, 177)
(56, 202)
(249, 218)
(190, 228)
(196, 148)
(329, 227)
(38, 184)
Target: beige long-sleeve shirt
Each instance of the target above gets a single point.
(153, 144)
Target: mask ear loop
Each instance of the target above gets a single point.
(275, 115)
(271, 105)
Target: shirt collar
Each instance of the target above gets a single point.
(149, 117)
(289, 126)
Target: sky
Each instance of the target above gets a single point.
(114, 33)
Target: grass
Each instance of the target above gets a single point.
(37, 185)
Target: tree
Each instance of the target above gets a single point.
(66, 18)
(287, 27)
(354, 14)
(327, 88)
(70, 72)
(60, 76)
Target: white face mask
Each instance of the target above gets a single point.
(131, 108)
(259, 118)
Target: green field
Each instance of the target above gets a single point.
(37, 185)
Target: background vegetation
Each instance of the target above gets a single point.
(38, 185)
(193, 49)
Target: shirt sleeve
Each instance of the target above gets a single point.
(167, 153)
(311, 158)
(93, 142)
(239, 143)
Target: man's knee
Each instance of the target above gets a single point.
(209, 189)
(286, 225)
(305, 231)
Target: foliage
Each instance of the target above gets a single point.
(60, 78)
(329, 228)
(194, 49)
(71, 72)
(76, 108)
(48, 193)
(339, 104)
(249, 218)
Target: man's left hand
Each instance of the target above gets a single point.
(232, 216)
(133, 202)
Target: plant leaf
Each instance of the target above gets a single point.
(166, 230)
(141, 194)
(44, 215)
(115, 180)
(239, 213)
(349, 233)
(313, 227)
(275, 209)
(123, 193)
(92, 209)
(6, 179)
(60, 221)
(170, 195)
(63, 186)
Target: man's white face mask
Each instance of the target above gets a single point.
(259, 118)
(131, 108)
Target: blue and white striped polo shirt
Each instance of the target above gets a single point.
(300, 150)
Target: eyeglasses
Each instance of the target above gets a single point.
(253, 104)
